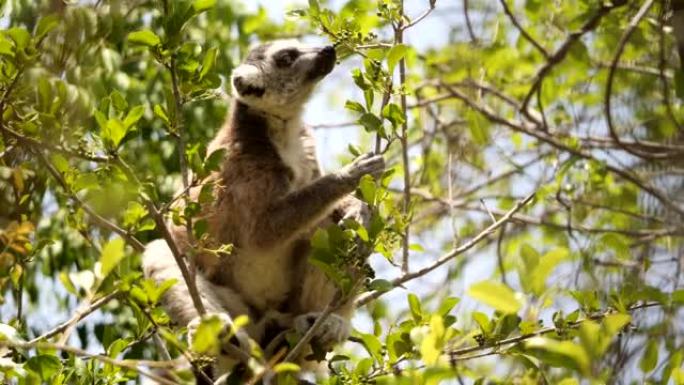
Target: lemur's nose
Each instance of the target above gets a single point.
(328, 50)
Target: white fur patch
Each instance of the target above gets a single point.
(250, 75)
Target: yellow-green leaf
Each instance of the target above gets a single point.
(395, 54)
(496, 295)
(203, 5)
(545, 266)
(144, 37)
(112, 254)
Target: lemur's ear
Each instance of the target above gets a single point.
(247, 81)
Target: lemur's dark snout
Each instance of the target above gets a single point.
(328, 50)
(325, 61)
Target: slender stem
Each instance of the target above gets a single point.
(607, 96)
(126, 364)
(454, 355)
(370, 296)
(99, 220)
(403, 139)
(526, 35)
(79, 315)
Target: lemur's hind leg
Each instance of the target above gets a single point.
(159, 264)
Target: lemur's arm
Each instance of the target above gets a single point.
(347, 207)
(296, 212)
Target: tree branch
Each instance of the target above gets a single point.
(372, 295)
(559, 55)
(522, 30)
(79, 315)
(126, 364)
(454, 355)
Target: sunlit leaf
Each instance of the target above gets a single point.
(496, 295)
(144, 37)
(112, 254)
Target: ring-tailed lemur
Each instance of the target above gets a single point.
(269, 197)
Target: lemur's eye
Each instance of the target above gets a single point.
(286, 57)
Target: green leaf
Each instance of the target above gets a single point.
(678, 296)
(613, 323)
(373, 346)
(112, 254)
(394, 114)
(20, 36)
(370, 122)
(60, 162)
(284, 367)
(133, 116)
(354, 106)
(414, 306)
(320, 240)
(113, 133)
(208, 62)
(545, 266)
(160, 112)
(496, 295)
(206, 337)
(395, 54)
(203, 5)
(214, 161)
(381, 285)
(6, 47)
(45, 366)
(46, 24)
(447, 305)
(432, 345)
(482, 321)
(679, 83)
(650, 358)
(368, 189)
(564, 354)
(144, 37)
(118, 101)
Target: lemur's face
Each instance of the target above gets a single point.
(279, 76)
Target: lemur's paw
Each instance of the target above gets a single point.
(365, 164)
(358, 211)
(334, 329)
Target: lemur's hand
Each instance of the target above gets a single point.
(334, 329)
(366, 164)
(357, 210)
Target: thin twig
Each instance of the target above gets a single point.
(419, 18)
(469, 25)
(403, 139)
(293, 354)
(526, 35)
(99, 220)
(560, 54)
(562, 145)
(126, 364)
(78, 316)
(454, 354)
(607, 96)
(372, 295)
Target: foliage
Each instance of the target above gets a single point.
(529, 232)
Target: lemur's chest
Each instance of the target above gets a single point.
(290, 146)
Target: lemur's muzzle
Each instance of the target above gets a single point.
(325, 62)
